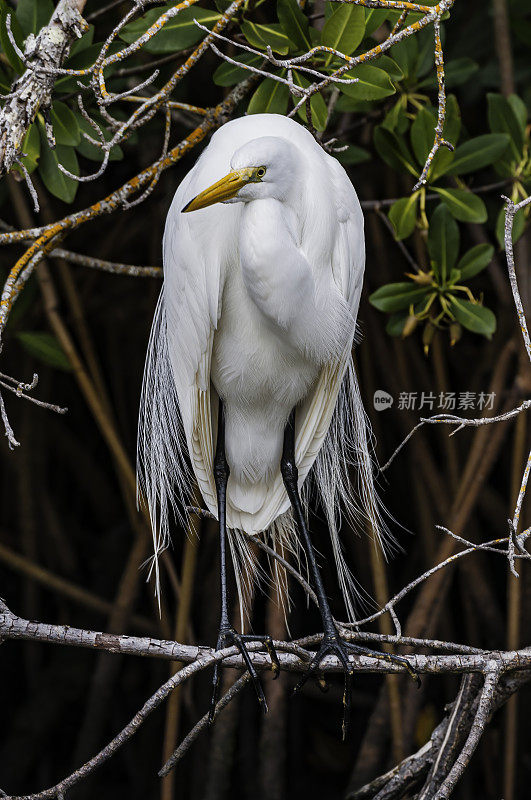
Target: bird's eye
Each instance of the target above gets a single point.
(260, 172)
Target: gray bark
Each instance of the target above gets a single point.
(43, 54)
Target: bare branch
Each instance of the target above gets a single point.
(33, 89)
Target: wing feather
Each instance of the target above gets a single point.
(192, 288)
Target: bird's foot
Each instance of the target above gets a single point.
(333, 644)
(228, 636)
(391, 658)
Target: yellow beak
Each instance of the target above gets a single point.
(223, 189)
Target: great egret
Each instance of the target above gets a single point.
(251, 348)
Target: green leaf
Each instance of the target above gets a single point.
(353, 155)
(56, 182)
(33, 15)
(395, 323)
(65, 127)
(344, 29)
(403, 215)
(520, 111)
(405, 53)
(443, 241)
(7, 47)
(82, 43)
(271, 97)
(89, 150)
(32, 147)
(423, 134)
(474, 317)
(5, 83)
(179, 32)
(391, 67)
(397, 296)
(229, 74)
(25, 304)
(452, 120)
(374, 18)
(475, 260)
(518, 226)
(263, 35)
(502, 119)
(451, 130)
(315, 37)
(394, 151)
(294, 23)
(396, 119)
(463, 205)
(424, 62)
(45, 347)
(456, 72)
(345, 103)
(373, 83)
(478, 153)
(317, 105)
(86, 57)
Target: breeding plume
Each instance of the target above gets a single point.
(249, 378)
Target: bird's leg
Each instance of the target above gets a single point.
(227, 635)
(332, 642)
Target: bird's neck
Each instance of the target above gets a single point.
(295, 297)
(277, 276)
(268, 244)
(268, 232)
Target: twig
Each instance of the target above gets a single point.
(376, 205)
(200, 726)
(403, 249)
(106, 266)
(461, 422)
(511, 209)
(478, 726)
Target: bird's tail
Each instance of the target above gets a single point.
(346, 454)
(165, 480)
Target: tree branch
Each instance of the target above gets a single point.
(42, 56)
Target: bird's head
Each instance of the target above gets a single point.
(262, 168)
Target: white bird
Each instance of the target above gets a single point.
(249, 376)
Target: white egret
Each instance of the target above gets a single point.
(249, 376)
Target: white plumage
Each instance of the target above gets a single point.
(259, 307)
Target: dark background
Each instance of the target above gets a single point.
(63, 510)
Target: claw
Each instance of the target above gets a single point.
(267, 641)
(347, 701)
(332, 644)
(228, 636)
(391, 658)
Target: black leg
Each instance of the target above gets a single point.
(290, 475)
(332, 643)
(227, 635)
